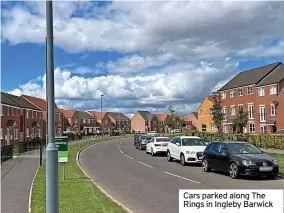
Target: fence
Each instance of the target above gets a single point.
(30, 145)
(6, 153)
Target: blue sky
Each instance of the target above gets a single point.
(139, 54)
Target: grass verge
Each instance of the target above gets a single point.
(77, 193)
(280, 160)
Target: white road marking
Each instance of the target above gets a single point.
(145, 164)
(129, 157)
(182, 177)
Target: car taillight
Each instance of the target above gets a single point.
(157, 145)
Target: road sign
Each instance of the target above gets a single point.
(62, 146)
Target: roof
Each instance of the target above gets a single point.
(96, 114)
(274, 77)
(184, 118)
(250, 77)
(5, 100)
(19, 101)
(195, 114)
(209, 98)
(161, 117)
(146, 115)
(68, 113)
(36, 101)
(118, 116)
(84, 115)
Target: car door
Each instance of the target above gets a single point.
(150, 144)
(172, 147)
(177, 149)
(212, 153)
(223, 158)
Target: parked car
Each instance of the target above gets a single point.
(175, 131)
(136, 138)
(187, 149)
(280, 132)
(238, 158)
(157, 145)
(153, 133)
(141, 142)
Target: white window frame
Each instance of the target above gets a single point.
(39, 133)
(1, 110)
(8, 110)
(251, 112)
(202, 128)
(32, 113)
(27, 113)
(262, 114)
(224, 110)
(16, 134)
(273, 110)
(262, 129)
(223, 95)
(234, 110)
(261, 91)
(240, 91)
(249, 90)
(27, 132)
(273, 89)
(232, 93)
(251, 126)
(225, 128)
(2, 132)
(12, 111)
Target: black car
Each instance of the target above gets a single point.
(238, 158)
(136, 137)
(141, 142)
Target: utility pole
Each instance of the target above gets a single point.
(51, 149)
(102, 114)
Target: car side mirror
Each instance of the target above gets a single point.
(178, 144)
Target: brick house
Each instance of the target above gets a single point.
(72, 121)
(30, 118)
(254, 92)
(58, 118)
(88, 124)
(144, 121)
(193, 117)
(205, 120)
(103, 120)
(163, 120)
(121, 121)
(188, 123)
(279, 103)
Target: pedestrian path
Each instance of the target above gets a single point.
(277, 151)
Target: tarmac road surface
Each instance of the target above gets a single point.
(147, 184)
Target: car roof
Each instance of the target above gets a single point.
(188, 137)
(161, 137)
(227, 141)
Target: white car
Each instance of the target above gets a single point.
(187, 149)
(157, 145)
(153, 133)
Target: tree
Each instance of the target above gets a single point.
(172, 116)
(240, 121)
(182, 123)
(217, 114)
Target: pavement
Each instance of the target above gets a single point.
(16, 179)
(147, 184)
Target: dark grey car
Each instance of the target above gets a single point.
(141, 142)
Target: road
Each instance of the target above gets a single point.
(151, 184)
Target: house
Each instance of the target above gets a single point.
(188, 123)
(30, 117)
(253, 92)
(163, 120)
(88, 123)
(71, 121)
(58, 119)
(144, 121)
(193, 117)
(103, 120)
(10, 121)
(205, 119)
(121, 121)
(279, 103)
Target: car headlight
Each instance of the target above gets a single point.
(190, 152)
(248, 163)
(275, 162)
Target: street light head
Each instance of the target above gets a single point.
(102, 95)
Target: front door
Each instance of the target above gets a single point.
(8, 136)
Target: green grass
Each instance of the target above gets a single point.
(280, 160)
(77, 194)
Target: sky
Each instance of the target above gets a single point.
(139, 55)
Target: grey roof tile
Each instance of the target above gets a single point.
(274, 77)
(19, 101)
(118, 116)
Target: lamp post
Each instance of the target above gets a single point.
(102, 114)
(51, 149)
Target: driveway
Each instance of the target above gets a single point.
(151, 184)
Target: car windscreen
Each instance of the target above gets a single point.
(142, 137)
(242, 148)
(162, 139)
(192, 142)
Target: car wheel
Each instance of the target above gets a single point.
(205, 166)
(152, 152)
(169, 157)
(234, 171)
(182, 160)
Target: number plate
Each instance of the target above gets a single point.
(165, 144)
(265, 169)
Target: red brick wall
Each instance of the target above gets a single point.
(33, 116)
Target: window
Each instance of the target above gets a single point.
(89, 121)
(232, 93)
(84, 121)
(224, 114)
(273, 90)
(203, 126)
(261, 91)
(262, 114)
(233, 110)
(273, 110)
(249, 89)
(223, 95)
(39, 133)
(32, 113)
(1, 136)
(15, 134)
(211, 113)
(225, 128)
(251, 127)
(12, 109)
(240, 91)
(251, 111)
(263, 129)
(212, 127)
(241, 108)
(33, 132)
(27, 132)
(27, 113)
(8, 109)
